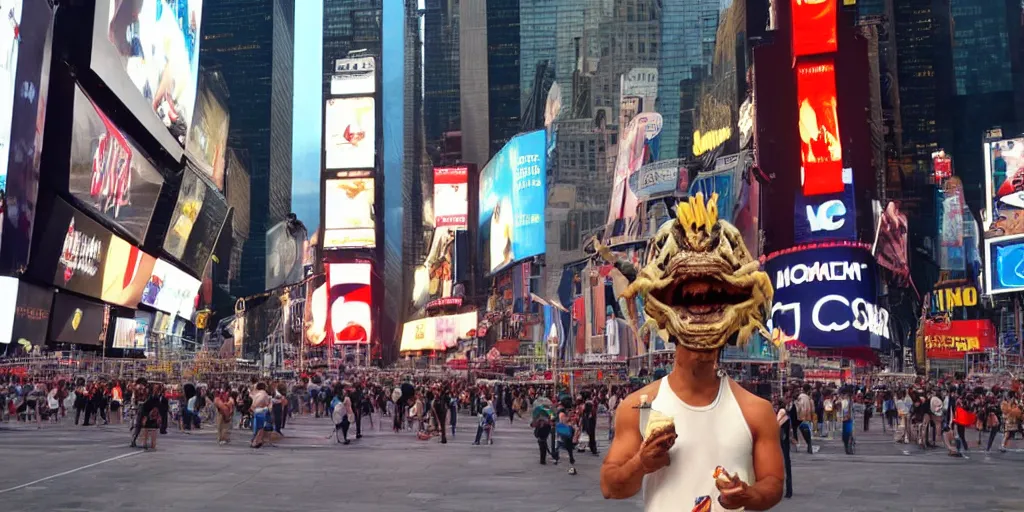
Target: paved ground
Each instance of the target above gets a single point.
(91, 469)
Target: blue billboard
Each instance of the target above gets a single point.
(827, 217)
(826, 298)
(1005, 256)
(513, 192)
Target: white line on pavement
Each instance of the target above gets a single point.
(51, 477)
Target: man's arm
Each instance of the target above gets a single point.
(622, 475)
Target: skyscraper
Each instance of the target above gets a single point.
(441, 76)
(251, 43)
(350, 25)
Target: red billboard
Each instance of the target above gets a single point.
(957, 338)
(451, 199)
(821, 152)
(814, 27)
(350, 316)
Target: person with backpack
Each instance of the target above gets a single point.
(486, 423)
(542, 431)
(567, 432)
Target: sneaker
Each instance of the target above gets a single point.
(572, 470)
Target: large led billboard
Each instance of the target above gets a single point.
(77, 321)
(171, 290)
(354, 75)
(826, 217)
(8, 307)
(955, 339)
(125, 333)
(821, 152)
(349, 213)
(108, 172)
(814, 26)
(438, 332)
(31, 316)
(1005, 257)
(24, 84)
(286, 243)
(513, 193)
(1004, 183)
(350, 299)
(126, 270)
(451, 200)
(350, 133)
(826, 298)
(198, 218)
(147, 53)
(207, 140)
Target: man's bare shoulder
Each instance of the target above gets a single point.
(756, 410)
(633, 400)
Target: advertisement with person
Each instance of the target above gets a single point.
(821, 152)
(627, 161)
(890, 248)
(186, 211)
(826, 217)
(207, 140)
(350, 138)
(451, 198)
(285, 250)
(1005, 257)
(25, 51)
(108, 173)
(1004, 181)
(825, 297)
(206, 229)
(157, 45)
(954, 339)
(349, 295)
(513, 193)
(124, 333)
(438, 332)
(143, 326)
(31, 318)
(78, 321)
(349, 213)
(171, 290)
(126, 270)
(814, 26)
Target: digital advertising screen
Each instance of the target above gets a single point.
(82, 253)
(126, 271)
(286, 243)
(205, 231)
(1004, 182)
(826, 298)
(658, 179)
(438, 332)
(207, 140)
(451, 198)
(955, 339)
(108, 173)
(77, 321)
(513, 193)
(147, 53)
(143, 326)
(8, 307)
(31, 316)
(349, 213)
(1005, 257)
(124, 333)
(826, 217)
(199, 210)
(171, 290)
(821, 152)
(349, 295)
(350, 133)
(24, 84)
(814, 26)
(354, 75)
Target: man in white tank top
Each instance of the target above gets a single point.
(713, 445)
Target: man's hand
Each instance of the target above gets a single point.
(735, 493)
(654, 450)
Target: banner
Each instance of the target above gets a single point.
(821, 152)
(954, 339)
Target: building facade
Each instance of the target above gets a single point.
(251, 44)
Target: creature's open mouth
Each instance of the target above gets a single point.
(702, 299)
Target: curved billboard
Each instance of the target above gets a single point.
(513, 193)
(826, 298)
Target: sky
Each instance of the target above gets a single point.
(307, 112)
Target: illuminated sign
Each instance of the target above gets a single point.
(814, 26)
(1004, 185)
(825, 217)
(821, 152)
(349, 213)
(954, 339)
(1005, 257)
(704, 142)
(438, 332)
(354, 75)
(451, 200)
(946, 299)
(825, 298)
(350, 133)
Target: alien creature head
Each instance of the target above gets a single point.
(700, 284)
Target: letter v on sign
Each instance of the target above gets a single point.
(828, 216)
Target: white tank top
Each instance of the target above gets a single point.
(710, 436)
